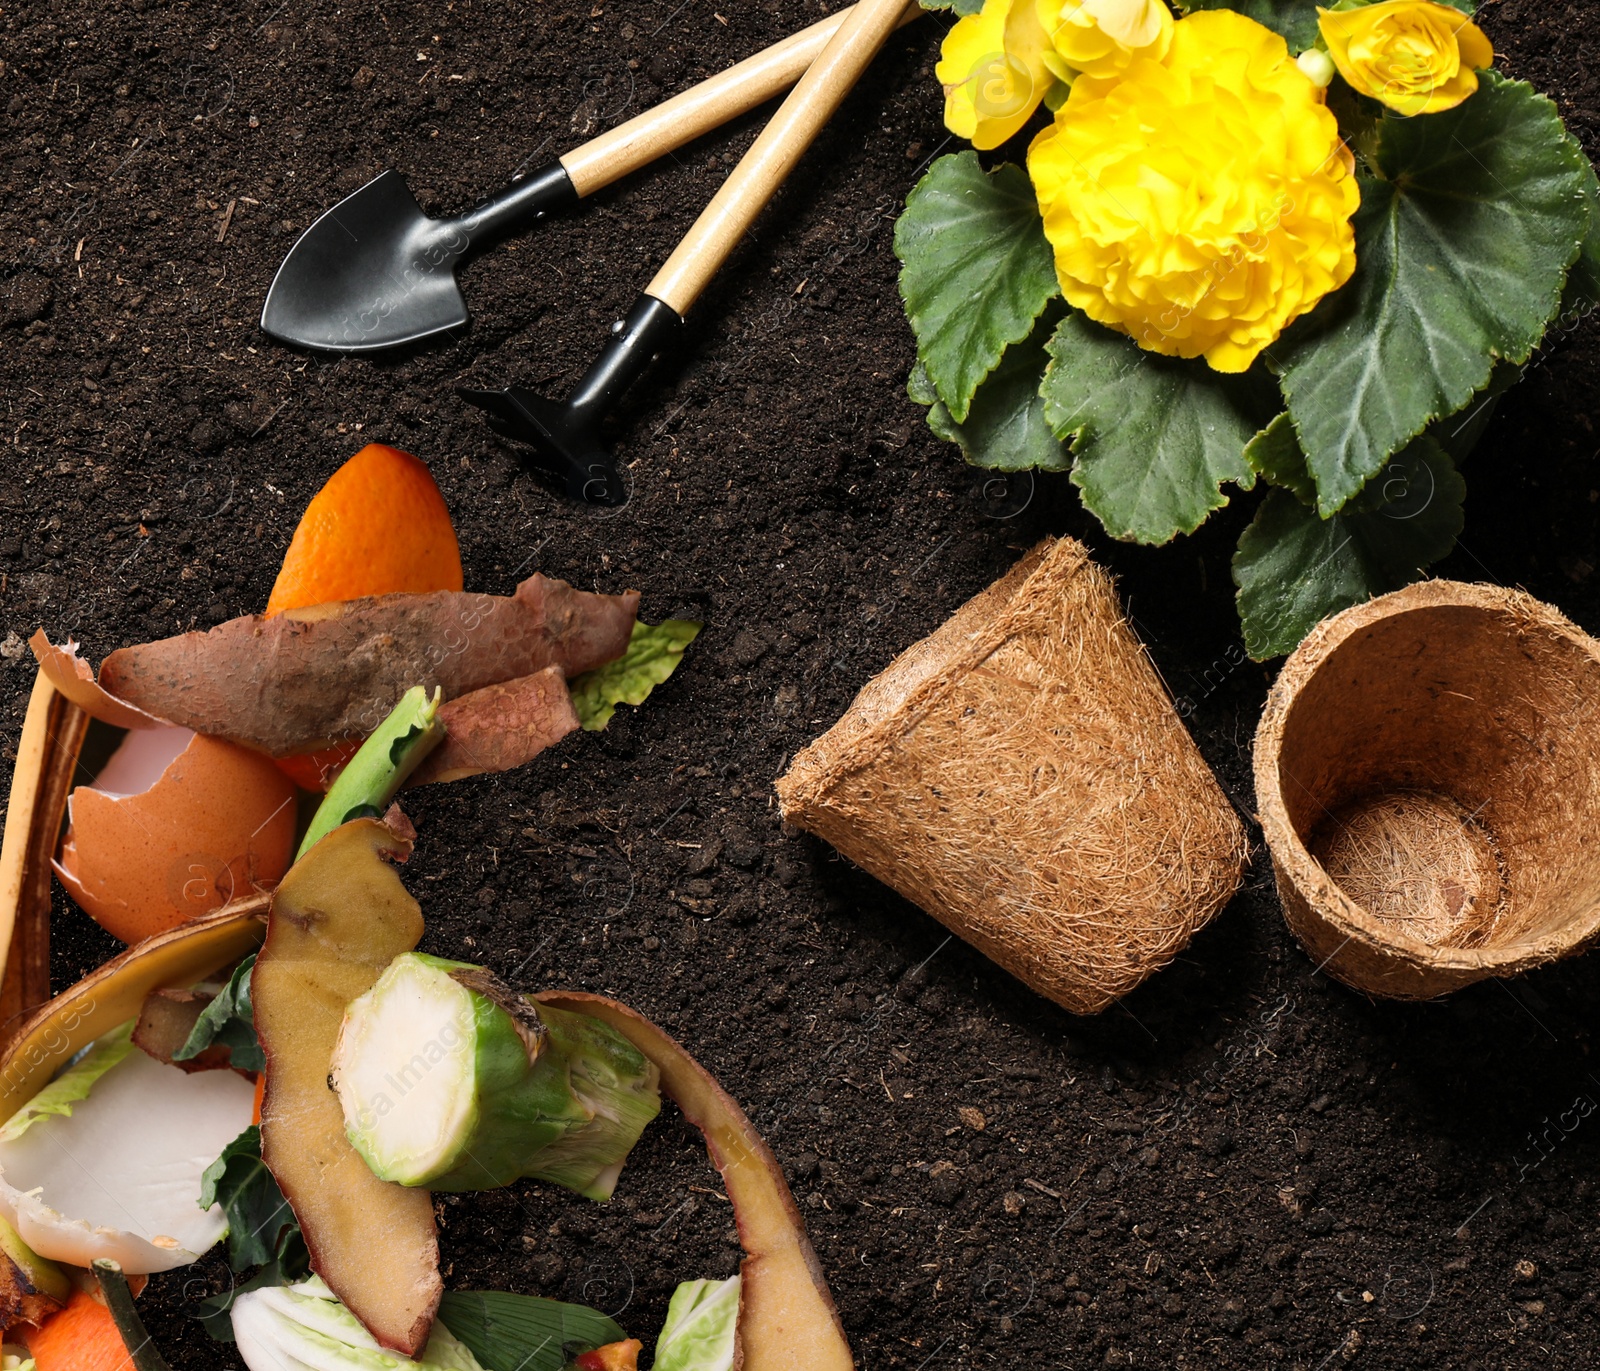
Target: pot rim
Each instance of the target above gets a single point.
(1293, 859)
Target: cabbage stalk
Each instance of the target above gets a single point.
(450, 1080)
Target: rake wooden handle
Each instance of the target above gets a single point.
(704, 107)
(772, 156)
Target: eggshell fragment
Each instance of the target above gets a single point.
(120, 1176)
(176, 825)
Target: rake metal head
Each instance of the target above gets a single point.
(566, 440)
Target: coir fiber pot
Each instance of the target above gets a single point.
(1022, 775)
(1428, 777)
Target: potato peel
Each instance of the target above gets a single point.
(115, 993)
(338, 919)
(500, 727)
(307, 678)
(787, 1319)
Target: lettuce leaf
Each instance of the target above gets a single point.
(653, 654)
(73, 1085)
(304, 1325)
(701, 1328)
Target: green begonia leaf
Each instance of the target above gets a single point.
(962, 7)
(975, 271)
(1582, 294)
(1155, 437)
(1296, 20)
(1294, 569)
(73, 1085)
(1005, 429)
(653, 654)
(1275, 456)
(1463, 241)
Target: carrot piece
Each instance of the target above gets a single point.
(614, 1356)
(378, 526)
(82, 1337)
(261, 1090)
(315, 771)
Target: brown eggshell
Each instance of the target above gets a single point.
(217, 824)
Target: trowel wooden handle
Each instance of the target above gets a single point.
(772, 156)
(704, 107)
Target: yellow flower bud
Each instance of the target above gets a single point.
(1101, 37)
(992, 68)
(1318, 66)
(1201, 202)
(1415, 56)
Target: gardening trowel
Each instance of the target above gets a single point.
(566, 434)
(375, 272)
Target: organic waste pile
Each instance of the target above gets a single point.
(338, 1076)
(1237, 1164)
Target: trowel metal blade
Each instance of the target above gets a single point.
(373, 272)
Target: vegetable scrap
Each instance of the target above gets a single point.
(226, 1023)
(501, 726)
(382, 765)
(310, 677)
(504, 1329)
(447, 1078)
(702, 1327)
(220, 1088)
(118, 1297)
(332, 1257)
(31, 1288)
(367, 623)
(82, 1337)
(652, 655)
(378, 526)
(305, 1325)
(338, 919)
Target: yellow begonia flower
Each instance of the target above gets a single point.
(1416, 57)
(991, 65)
(1101, 37)
(1202, 202)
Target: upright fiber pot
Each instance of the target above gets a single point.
(1022, 775)
(1428, 777)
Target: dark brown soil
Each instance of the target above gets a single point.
(1244, 1165)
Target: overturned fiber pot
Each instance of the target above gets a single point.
(1022, 775)
(1428, 778)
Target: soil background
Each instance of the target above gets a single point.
(1243, 1165)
